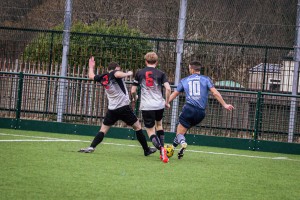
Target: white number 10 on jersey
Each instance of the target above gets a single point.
(194, 88)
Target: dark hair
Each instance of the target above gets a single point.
(196, 65)
(113, 65)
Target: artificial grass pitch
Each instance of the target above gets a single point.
(37, 165)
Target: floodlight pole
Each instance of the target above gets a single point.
(293, 110)
(63, 71)
(179, 52)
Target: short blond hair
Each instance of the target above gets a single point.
(151, 57)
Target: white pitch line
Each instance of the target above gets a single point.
(15, 135)
(41, 140)
(241, 155)
(49, 139)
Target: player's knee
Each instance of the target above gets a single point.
(149, 124)
(137, 126)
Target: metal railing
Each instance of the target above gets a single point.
(258, 115)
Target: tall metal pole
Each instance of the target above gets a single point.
(293, 110)
(63, 71)
(179, 51)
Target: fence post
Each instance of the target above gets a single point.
(257, 120)
(19, 99)
(64, 63)
(293, 110)
(137, 103)
(179, 52)
(265, 69)
(48, 72)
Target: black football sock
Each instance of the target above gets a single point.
(161, 136)
(98, 139)
(142, 139)
(155, 141)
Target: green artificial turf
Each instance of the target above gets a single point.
(119, 170)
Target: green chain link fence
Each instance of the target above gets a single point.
(258, 115)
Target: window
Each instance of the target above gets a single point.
(274, 85)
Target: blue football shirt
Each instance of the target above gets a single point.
(196, 88)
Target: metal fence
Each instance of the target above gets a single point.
(231, 66)
(258, 115)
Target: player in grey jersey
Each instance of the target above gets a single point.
(152, 104)
(118, 105)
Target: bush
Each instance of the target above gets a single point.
(105, 41)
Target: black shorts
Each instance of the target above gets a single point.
(124, 113)
(150, 116)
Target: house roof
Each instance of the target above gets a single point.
(270, 68)
(228, 83)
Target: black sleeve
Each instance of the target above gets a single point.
(136, 79)
(164, 78)
(98, 78)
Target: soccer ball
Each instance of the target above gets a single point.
(170, 150)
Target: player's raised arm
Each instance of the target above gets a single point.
(91, 68)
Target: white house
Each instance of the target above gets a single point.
(278, 77)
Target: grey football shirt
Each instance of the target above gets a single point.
(115, 90)
(151, 81)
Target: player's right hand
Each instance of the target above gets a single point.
(129, 73)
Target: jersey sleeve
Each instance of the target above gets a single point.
(180, 87)
(99, 78)
(136, 79)
(210, 83)
(164, 78)
(103, 79)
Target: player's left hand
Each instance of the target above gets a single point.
(229, 107)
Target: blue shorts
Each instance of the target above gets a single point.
(191, 116)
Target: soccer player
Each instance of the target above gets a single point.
(196, 88)
(152, 104)
(118, 105)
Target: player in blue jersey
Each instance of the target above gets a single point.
(196, 88)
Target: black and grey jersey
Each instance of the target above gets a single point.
(115, 89)
(151, 81)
